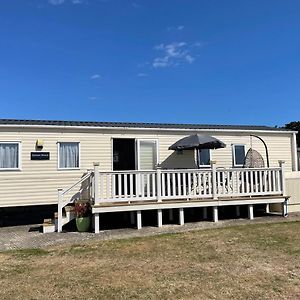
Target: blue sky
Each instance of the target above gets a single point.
(182, 61)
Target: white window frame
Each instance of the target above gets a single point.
(138, 141)
(58, 158)
(19, 168)
(199, 155)
(233, 154)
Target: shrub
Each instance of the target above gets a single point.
(82, 209)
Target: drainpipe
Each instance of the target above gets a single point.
(294, 153)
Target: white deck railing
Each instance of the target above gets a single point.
(178, 184)
(127, 186)
(248, 182)
(159, 185)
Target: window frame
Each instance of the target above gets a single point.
(19, 168)
(233, 154)
(58, 156)
(199, 155)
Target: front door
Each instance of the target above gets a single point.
(129, 155)
(123, 160)
(123, 154)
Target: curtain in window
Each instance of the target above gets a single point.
(68, 155)
(204, 157)
(9, 156)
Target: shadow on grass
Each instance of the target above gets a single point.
(27, 252)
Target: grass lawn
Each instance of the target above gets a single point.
(259, 261)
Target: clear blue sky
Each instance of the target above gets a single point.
(201, 61)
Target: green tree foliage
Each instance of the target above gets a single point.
(295, 126)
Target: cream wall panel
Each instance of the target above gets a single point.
(38, 181)
(293, 190)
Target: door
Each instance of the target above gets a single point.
(123, 154)
(132, 154)
(147, 158)
(123, 160)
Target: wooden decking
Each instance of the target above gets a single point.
(162, 189)
(185, 203)
(181, 204)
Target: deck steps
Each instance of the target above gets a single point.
(50, 225)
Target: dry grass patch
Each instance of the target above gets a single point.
(256, 261)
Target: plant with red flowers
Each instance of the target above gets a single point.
(82, 209)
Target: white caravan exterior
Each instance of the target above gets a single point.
(30, 181)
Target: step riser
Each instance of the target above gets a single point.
(48, 228)
(70, 215)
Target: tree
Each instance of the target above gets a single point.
(295, 126)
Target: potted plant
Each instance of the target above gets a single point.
(83, 216)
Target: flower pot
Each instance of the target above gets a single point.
(83, 224)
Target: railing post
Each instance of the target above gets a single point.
(159, 218)
(282, 167)
(250, 212)
(215, 214)
(139, 219)
(91, 179)
(285, 208)
(59, 211)
(97, 223)
(181, 216)
(96, 183)
(214, 179)
(158, 183)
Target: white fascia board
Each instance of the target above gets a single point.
(144, 129)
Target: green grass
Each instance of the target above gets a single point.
(28, 252)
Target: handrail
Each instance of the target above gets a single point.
(86, 176)
(248, 169)
(185, 170)
(153, 171)
(128, 172)
(62, 203)
(109, 172)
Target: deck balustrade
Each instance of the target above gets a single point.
(161, 185)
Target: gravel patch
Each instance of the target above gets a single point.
(29, 236)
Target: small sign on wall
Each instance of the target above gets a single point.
(40, 155)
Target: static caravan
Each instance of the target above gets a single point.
(129, 167)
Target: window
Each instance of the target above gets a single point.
(204, 157)
(239, 154)
(147, 154)
(68, 155)
(9, 156)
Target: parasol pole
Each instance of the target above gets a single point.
(196, 157)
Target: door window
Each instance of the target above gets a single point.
(147, 154)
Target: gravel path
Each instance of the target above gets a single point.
(22, 237)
